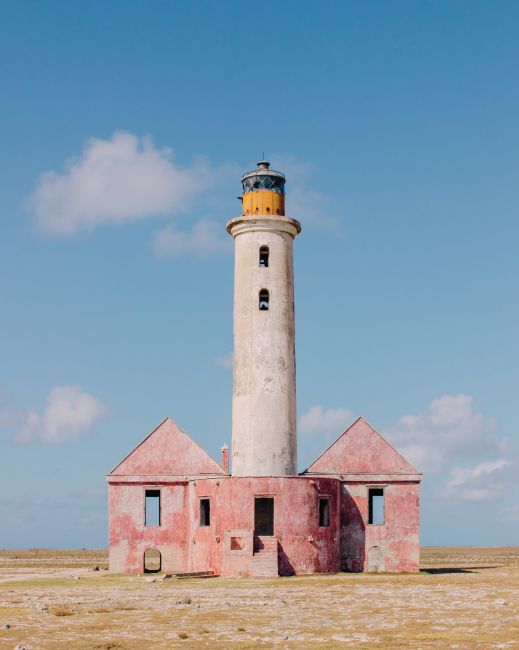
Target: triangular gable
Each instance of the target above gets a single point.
(168, 450)
(361, 450)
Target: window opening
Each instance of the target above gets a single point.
(264, 300)
(324, 512)
(205, 512)
(152, 508)
(268, 210)
(264, 257)
(376, 506)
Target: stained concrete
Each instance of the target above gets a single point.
(264, 439)
(264, 460)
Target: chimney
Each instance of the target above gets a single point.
(225, 459)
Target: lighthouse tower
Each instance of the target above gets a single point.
(174, 508)
(264, 393)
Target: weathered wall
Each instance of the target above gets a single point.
(358, 459)
(396, 542)
(129, 538)
(361, 449)
(303, 547)
(167, 450)
(264, 389)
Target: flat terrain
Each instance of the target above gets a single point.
(463, 598)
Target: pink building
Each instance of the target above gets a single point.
(356, 508)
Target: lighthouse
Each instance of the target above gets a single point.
(174, 508)
(264, 441)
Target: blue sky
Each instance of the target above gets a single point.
(125, 129)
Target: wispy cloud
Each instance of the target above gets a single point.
(446, 437)
(449, 428)
(69, 414)
(326, 422)
(121, 179)
(478, 483)
(206, 239)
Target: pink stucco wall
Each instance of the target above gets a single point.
(303, 546)
(397, 538)
(361, 449)
(168, 450)
(129, 538)
(170, 461)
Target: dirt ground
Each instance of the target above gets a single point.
(462, 598)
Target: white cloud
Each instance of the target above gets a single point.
(328, 422)
(69, 414)
(207, 238)
(482, 482)
(448, 428)
(461, 476)
(225, 361)
(113, 181)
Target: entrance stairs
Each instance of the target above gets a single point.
(264, 562)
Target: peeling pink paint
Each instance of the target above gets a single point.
(321, 519)
(170, 461)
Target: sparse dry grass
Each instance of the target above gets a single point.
(464, 598)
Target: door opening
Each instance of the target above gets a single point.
(264, 516)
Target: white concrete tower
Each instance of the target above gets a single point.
(264, 439)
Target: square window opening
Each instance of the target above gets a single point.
(324, 512)
(205, 512)
(152, 508)
(376, 506)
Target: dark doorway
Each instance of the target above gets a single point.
(264, 516)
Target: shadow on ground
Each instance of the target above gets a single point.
(453, 569)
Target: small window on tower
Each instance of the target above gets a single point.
(264, 257)
(205, 512)
(264, 300)
(324, 512)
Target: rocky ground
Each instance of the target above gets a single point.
(463, 598)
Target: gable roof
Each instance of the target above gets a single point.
(361, 450)
(167, 450)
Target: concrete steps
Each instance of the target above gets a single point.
(264, 562)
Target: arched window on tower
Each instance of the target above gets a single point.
(264, 300)
(264, 257)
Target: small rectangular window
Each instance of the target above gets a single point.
(152, 508)
(324, 512)
(376, 506)
(264, 300)
(264, 257)
(205, 512)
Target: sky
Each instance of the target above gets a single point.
(125, 128)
